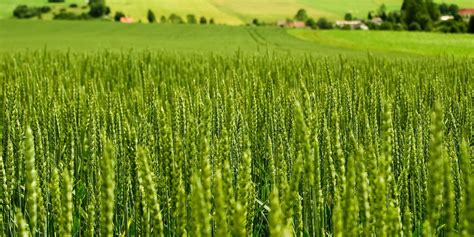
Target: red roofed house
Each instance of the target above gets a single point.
(291, 24)
(126, 20)
(466, 12)
(296, 24)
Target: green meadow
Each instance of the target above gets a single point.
(77, 36)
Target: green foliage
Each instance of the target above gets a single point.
(324, 24)
(311, 23)
(451, 26)
(175, 19)
(151, 16)
(191, 19)
(386, 26)
(163, 19)
(301, 15)
(118, 16)
(98, 8)
(202, 20)
(421, 12)
(471, 25)
(256, 22)
(348, 16)
(71, 16)
(25, 12)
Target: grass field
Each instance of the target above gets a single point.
(235, 11)
(92, 36)
(419, 43)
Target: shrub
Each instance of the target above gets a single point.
(311, 23)
(45, 9)
(451, 26)
(98, 10)
(191, 19)
(55, 1)
(118, 16)
(255, 22)
(386, 26)
(163, 19)
(348, 16)
(70, 16)
(212, 21)
(414, 26)
(203, 20)
(399, 27)
(175, 19)
(73, 5)
(323, 23)
(25, 12)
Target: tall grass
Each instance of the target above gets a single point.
(161, 144)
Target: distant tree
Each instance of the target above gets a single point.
(394, 17)
(163, 19)
(323, 23)
(55, 1)
(301, 15)
(348, 16)
(453, 9)
(470, 28)
(118, 16)
(416, 12)
(98, 8)
(369, 16)
(191, 19)
(311, 23)
(203, 20)
(45, 9)
(255, 22)
(382, 9)
(443, 9)
(175, 19)
(433, 10)
(458, 17)
(212, 21)
(24, 12)
(151, 16)
(73, 5)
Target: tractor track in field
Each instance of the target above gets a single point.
(260, 40)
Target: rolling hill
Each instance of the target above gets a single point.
(94, 36)
(233, 11)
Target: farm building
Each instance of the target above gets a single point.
(126, 20)
(377, 21)
(466, 12)
(356, 25)
(446, 18)
(291, 24)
